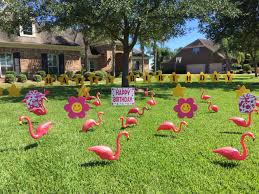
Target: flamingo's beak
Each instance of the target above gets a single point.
(253, 139)
(20, 122)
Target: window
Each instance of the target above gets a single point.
(178, 59)
(136, 65)
(53, 64)
(27, 30)
(196, 50)
(91, 66)
(6, 63)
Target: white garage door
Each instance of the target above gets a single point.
(196, 68)
(215, 67)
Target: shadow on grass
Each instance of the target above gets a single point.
(30, 146)
(226, 164)
(230, 132)
(165, 136)
(95, 163)
(8, 149)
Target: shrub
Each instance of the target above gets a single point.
(236, 66)
(247, 67)
(87, 74)
(10, 72)
(37, 78)
(100, 74)
(55, 77)
(79, 72)
(70, 74)
(152, 73)
(138, 73)
(41, 73)
(9, 78)
(22, 78)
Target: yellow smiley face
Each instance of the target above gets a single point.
(77, 107)
(185, 107)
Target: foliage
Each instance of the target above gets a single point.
(87, 75)
(37, 78)
(10, 72)
(41, 73)
(100, 74)
(241, 25)
(138, 73)
(70, 74)
(9, 78)
(247, 67)
(22, 78)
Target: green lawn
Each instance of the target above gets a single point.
(149, 163)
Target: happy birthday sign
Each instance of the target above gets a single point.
(123, 96)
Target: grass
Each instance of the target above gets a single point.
(149, 163)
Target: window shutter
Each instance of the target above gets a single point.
(61, 64)
(16, 62)
(44, 58)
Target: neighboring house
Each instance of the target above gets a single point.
(100, 58)
(30, 51)
(199, 56)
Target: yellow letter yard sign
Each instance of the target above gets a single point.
(188, 78)
(173, 77)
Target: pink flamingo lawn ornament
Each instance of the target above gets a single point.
(40, 111)
(41, 130)
(213, 108)
(242, 122)
(146, 92)
(152, 101)
(204, 97)
(168, 126)
(98, 101)
(135, 110)
(232, 153)
(257, 106)
(129, 121)
(105, 153)
(90, 123)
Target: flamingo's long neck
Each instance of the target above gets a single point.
(202, 93)
(177, 130)
(242, 142)
(44, 109)
(30, 127)
(98, 99)
(209, 107)
(117, 152)
(99, 120)
(123, 125)
(142, 112)
(249, 119)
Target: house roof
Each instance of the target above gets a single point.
(42, 38)
(138, 53)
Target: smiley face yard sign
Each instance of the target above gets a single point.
(123, 96)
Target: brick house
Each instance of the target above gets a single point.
(100, 58)
(56, 53)
(31, 51)
(199, 56)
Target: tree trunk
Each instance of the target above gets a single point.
(254, 61)
(142, 56)
(155, 56)
(227, 62)
(125, 64)
(86, 43)
(113, 58)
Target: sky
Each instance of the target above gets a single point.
(192, 34)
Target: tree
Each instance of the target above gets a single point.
(240, 57)
(242, 26)
(125, 21)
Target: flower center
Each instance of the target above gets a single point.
(77, 107)
(185, 107)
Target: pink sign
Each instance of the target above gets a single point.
(247, 103)
(123, 96)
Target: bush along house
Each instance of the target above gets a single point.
(31, 51)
